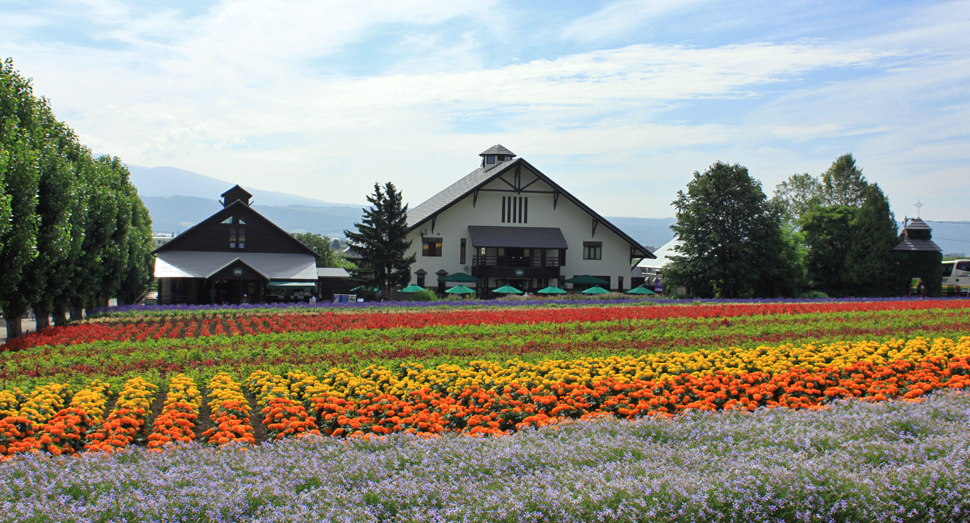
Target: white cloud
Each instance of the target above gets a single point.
(619, 19)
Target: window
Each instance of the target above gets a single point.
(431, 247)
(461, 257)
(490, 158)
(420, 280)
(241, 238)
(592, 250)
(232, 237)
(515, 209)
(227, 221)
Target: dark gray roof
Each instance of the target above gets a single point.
(451, 194)
(916, 224)
(497, 149)
(918, 245)
(522, 237)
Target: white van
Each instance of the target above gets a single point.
(956, 278)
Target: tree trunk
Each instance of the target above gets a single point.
(77, 312)
(14, 329)
(42, 314)
(60, 318)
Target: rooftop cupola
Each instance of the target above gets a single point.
(236, 193)
(495, 155)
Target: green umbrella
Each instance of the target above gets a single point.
(551, 290)
(412, 288)
(586, 278)
(508, 289)
(596, 290)
(640, 290)
(460, 277)
(460, 289)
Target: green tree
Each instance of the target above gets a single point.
(828, 235)
(322, 245)
(141, 261)
(843, 183)
(381, 240)
(732, 242)
(870, 265)
(22, 121)
(56, 197)
(797, 196)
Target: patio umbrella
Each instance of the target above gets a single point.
(412, 288)
(640, 290)
(596, 290)
(551, 290)
(508, 289)
(586, 278)
(460, 277)
(460, 289)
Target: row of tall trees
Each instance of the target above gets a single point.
(73, 231)
(833, 234)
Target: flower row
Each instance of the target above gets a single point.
(127, 329)
(354, 350)
(492, 399)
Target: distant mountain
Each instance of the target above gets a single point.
(652, 233)
(169, 181)
(178, 213)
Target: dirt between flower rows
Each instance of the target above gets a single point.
(204, 421)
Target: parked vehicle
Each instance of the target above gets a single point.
(956, 278)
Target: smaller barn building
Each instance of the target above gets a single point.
(234, 256)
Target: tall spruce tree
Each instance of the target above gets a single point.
(381, 240)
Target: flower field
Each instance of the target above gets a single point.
(136, 386)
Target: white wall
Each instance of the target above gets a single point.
(576, 225)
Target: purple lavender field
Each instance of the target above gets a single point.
(859, 462)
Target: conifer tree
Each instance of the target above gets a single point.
(381, 240)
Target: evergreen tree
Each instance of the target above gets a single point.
(732, 243)
(828, 235)
(870, 264)
(381, 240)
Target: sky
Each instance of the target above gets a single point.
(619, 102)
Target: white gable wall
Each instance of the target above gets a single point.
(576, 225)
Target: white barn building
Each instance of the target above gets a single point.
(508, 223)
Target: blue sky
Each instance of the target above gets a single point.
(620, 102)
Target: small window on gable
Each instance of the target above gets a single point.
(227, 221)
(241, 221)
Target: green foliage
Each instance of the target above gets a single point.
(424, 295)
(843, 231)
(828, 235)
(322, 245)
(732, 241)
(24, 121)
(381, 240)
(870, 265)
(72, 229)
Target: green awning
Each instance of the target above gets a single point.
(291, 285)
